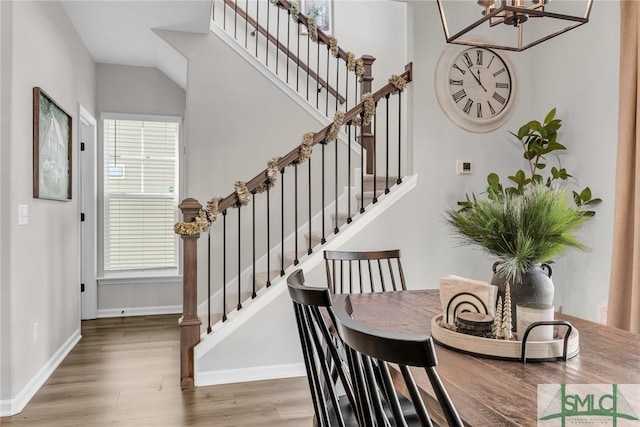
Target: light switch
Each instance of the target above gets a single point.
(23, 214)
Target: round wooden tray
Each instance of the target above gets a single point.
(539, 351)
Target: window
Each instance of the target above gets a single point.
(140, 195)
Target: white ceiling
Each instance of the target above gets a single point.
(120, 32)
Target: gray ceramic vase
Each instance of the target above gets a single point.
(535, 287)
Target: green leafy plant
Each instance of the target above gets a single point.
(521, 228)
(538, 141)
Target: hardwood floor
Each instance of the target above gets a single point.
(125, 372)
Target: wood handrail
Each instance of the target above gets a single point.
(232, 199)
(290, 55)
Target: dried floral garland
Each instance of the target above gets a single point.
(359, 67)
(338, 120)
(275, 2)
(313, 30)
(304, 152)
(272, 175)
(351, 61)
(333, 46)
(295, 13)
(398, 83)
(369, 111)
(199, 225)
(212, 210)
(242, 192)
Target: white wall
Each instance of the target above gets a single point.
(5, 121)
(40, 262)
(577, 73)
(135, 90)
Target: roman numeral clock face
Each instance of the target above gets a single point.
(475, 87)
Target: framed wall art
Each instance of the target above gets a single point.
(321, 11)
(51, 149)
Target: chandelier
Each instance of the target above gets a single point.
(518, 24)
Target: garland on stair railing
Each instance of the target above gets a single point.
(333, 46)
(272, 176)
(304, 152)
(398, 82)
(353, 64)
(295, 13)
(338, 119)
(313, 30)
(244, 197)
(369, 111)
(208, 216)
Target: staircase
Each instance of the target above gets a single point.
(315, 197)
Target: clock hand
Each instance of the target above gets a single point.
(476, 77)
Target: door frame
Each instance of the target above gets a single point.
(87, 199)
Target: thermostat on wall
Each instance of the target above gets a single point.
(463, 167)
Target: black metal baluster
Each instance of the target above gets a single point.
(239, 306)
(224, 14)
(386, 188)
(337, 81)
(375, 166)
(318, 85)
(253, 244)
(323, 240)
(399, 180)
(278, 41)
(235, 20)
(348, 172)
(308, 50)
(209, 281)
(224, 265)
(295, 213)
(246, 23)
(346, 89)
(326, 102)
(362, 163)
(268, 236)
(255, 30)
(282, 222)
(310, 250)
(298, 59)
(288, 39)
(266, 57)
(336, 229)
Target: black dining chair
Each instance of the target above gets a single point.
(369, 350)
(325, 366)
(361, 272)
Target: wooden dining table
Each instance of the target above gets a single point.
(489, 392)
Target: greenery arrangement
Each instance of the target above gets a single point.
(538, 140)
(534, 218)
(521, 229)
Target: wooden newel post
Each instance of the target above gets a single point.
(367, 136)
(190, 322)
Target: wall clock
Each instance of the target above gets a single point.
(475, 87)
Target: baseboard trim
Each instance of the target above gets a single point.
(16, 405)
(140, 311)
(259, 373)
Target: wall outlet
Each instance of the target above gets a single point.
(35, 332)
(463, 167)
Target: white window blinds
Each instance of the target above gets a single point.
(140, 194)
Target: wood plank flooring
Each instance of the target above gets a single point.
(125, 372)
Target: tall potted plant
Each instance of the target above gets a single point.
(529, 222)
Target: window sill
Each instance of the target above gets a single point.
(135, 280)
